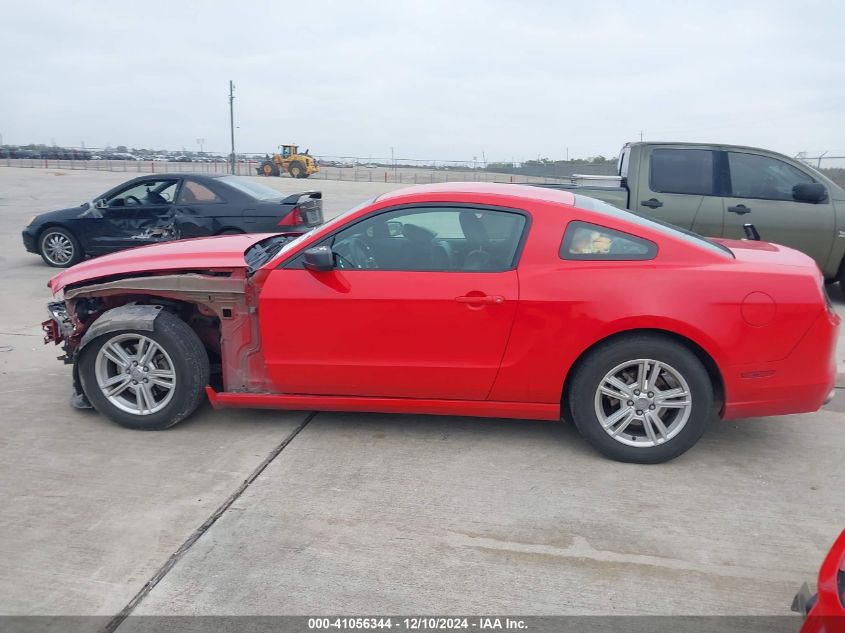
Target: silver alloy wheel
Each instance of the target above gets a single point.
(57, 248)
(135, 374)
(643, 402)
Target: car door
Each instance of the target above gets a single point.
(201, 212)
(761, 193)
(679, 185)
(140, 213)
(420, 304)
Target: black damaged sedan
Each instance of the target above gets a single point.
(164, 207)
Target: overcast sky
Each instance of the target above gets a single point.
(433, 79)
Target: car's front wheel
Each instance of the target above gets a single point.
(643, 399)
(146, 380)
(59, 247)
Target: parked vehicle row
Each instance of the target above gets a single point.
(76, 154)
(462, 299)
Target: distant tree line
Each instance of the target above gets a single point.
(596, 165)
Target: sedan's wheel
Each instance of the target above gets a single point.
(641, 399)
(146, 380)
(59, 248)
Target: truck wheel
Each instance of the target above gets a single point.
(642, 399)
(296, 170)
(269, 169)
(59, 248)
(144, 380)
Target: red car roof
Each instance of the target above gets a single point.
(484, 188)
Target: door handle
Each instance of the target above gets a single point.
(740, 209)
(481, 299)
(652, 203)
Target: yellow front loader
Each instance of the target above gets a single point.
(289, 161)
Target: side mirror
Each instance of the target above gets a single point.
(319, 258)
(813, 192)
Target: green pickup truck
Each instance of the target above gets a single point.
(714, 190)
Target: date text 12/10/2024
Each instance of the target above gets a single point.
(417, 623)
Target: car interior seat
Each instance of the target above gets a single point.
(154, 197)
(479, 257)
(186, 196)
(419, 245)
(387, 250)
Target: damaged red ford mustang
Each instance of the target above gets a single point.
(460, 299)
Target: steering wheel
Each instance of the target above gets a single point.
(353, 252)
(134, 200)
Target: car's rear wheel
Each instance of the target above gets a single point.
(59, 248)
(296, 170)
(643, 399)
(146, 380)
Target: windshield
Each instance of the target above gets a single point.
(278, 246)
(250, 188)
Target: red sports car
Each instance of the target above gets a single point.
(825, 610)
(460, 299)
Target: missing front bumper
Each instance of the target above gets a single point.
(830, 396)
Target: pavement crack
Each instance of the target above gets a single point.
(176, 556)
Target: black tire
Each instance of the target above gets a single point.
(48, 241)
(231, 232)
(189, 363)
(268, 168)
(606, 357)
(296, 169)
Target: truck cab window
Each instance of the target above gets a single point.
(687, 171)
(756, 176)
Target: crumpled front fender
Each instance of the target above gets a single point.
(126, 317)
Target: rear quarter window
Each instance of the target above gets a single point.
(585, 241)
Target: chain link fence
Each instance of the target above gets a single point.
(832, 166)
(350, 168)
(359, 170)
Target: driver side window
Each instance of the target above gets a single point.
(432, 239)
(144, 194)
(756, 176)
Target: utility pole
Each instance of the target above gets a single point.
(232, 120)
(641, 136)
(200, 142)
